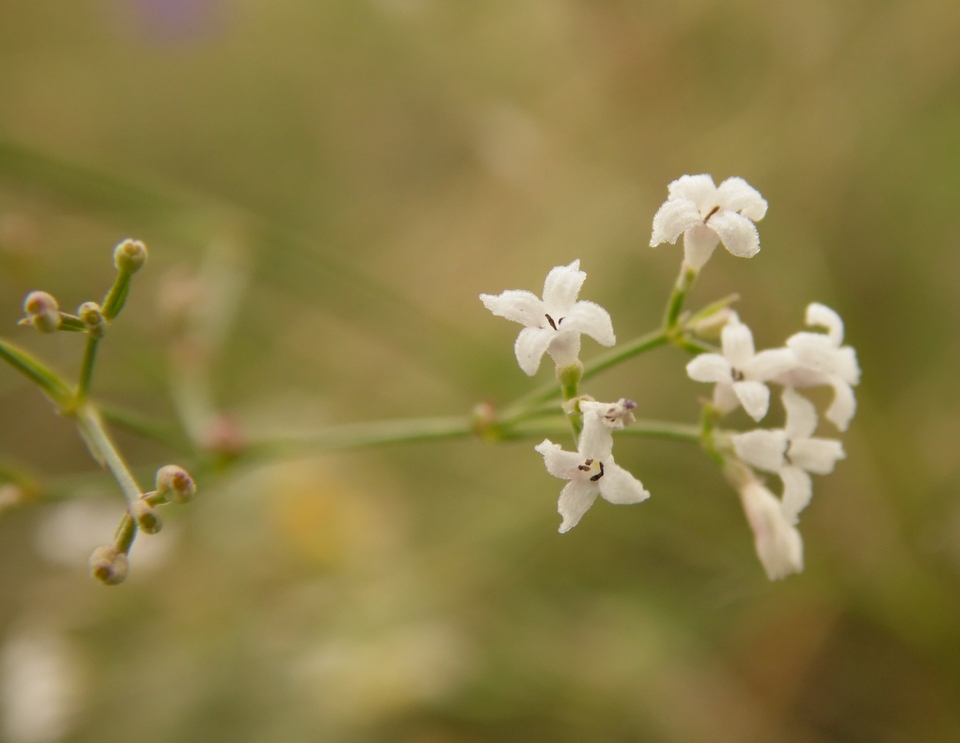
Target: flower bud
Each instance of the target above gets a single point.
(174, 482)
(130, 255)
(146, 517)
(109, 565)
(43, 312)
(92, 317)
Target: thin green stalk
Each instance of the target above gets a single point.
(126, 532)
(90, 425)
(569, 378)
(86, 370)
(58, 390)
(680, 289)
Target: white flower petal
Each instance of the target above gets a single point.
(575, 500)
(530, 346)
(737, 233)
(755, 398)
(846, 366)
(561, 288)
(778, 543)
(770, 364)
(516, 304)
(709, 367)
(844, 404)
(761, 448)
(592, 319)
(596, 439)
(724, 398)
(737, 342)
(564, 348)
(673, 218)
(737, 195)
(619, 486)
(699, 243)
(816, 455)
(824, 317)
(797, 492)
(816, 351)
(559, 463)
(698, 188)
(801, 415)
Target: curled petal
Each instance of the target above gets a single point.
(797, 492)
(575, 500)
(700, 189)
(673, 218)
(770, 364)
(778, 543)
(737, 195)
(561, 288)
(709, 367)
(737, 342)
(824, 317)
(531, 344)
(516, 304)
(592, 319)
(559, 463)
(816, 455)
(737, 233)
(620, 487)
(754, 396)
(762, 449)
(699, 243)
(801, 415)
(844, 404)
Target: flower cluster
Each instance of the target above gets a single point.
(705, 215)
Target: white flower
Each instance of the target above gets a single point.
(614, 415)
(791, 452)
(740, 372)
(706, 215)
(825, 361)
(778, 542)
(553, 324)
(591, 469)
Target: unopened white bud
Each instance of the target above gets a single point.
(92, 317)
(175, 482)
(109, 565)
(146, 517)
(130, 255)
(43, 312)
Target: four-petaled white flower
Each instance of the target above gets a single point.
(779, 545)
(554, 323)
(823, 360)
(740, 373)
(706, 215)
(591, 469)
(792, 452)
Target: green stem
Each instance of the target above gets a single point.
(48, 381)
(114, 300)
(569, 378)
(126, 532)
(90, 425)
(86, 370)
(680, 289)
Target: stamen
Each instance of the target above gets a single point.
(585, 467)
(737, 375)
(712, 212)
(598, 475)
(552, 323)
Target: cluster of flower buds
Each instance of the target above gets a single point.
(110, 563)
(704, 215)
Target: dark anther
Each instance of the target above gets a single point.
(737, 375)
(552, 323)
(586, 465)
(712, 212)
(559, 321)
(598, 475)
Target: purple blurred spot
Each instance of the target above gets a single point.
(180, 19)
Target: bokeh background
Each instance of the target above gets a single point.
(325, 188)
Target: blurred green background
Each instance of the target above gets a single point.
(325, 188)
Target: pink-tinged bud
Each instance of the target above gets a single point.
(43, 312)
(108, 565)
(92, 317)
(130, 255)
(175, 482)
(146, 517)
